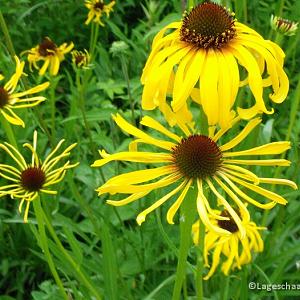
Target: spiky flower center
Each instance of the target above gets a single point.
(99, 6)
(228, 225)
(33, 179)
(197, 156)
(47, 47)
(79, 58)
(208, 25)
(4, 97)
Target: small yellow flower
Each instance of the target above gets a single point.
(235, 248)
(202, 57)
(198, 160)
(97, 8)
(284, 26)
(48, 52)
(30, 179)
(80, 59)
(11, 99)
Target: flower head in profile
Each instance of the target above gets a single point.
(235, 249)
(284, 26)
(97, 9)
(12, 97)
(51, 55)
(194, 57)
(81, 59)
(195, 160)
(29, 179)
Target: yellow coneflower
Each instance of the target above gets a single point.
(30, 179)
(48, 52)
(284, 26)
(234, 247)
(81, 59)
(97, 9)
(195, 159)
(200, 57)
(11, 99)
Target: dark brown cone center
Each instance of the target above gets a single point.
(33, 179)
(208, 25)
(197, 156)
(47, 47)
(4, 97)
(228, 225)
(99, 6)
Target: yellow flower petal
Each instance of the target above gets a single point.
(228, 207)
(267, 149)
(209, 87)
(150, 122)
(141, 175)
(128, 199)
(269, 205)
(201, 207)
(127, 127)
(129, 189)
(215, 263)
(12, 118)
(240, 204)
(289, 183)
(142, 216)
(143, 157)
(242, 135)
(259, 190)
(257, 162)
(175, 206)
(187, 76)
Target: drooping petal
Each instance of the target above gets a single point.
(267, 149)
(209, 87)
(143, 157)
(175, 206)
(142, 216)
(242, 135)
(127, 127)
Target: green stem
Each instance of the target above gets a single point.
(226, 288)
(43, 241)
(8, 40)
(76, 268)
(245, 6)
(53, 83)
(126, 76)
(164, 234)
(200, 261)
(9, 132)
(281, 6)
(94, 38)
(188, 209)
(81, 91)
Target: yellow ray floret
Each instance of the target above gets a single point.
(96, 10)
(230, 251)
(191, 58)
(29, 179)
(195, 160)
(12, 97)
(50, 54)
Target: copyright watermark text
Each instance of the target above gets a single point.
(273, 286)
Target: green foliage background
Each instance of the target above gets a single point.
(123, 260)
